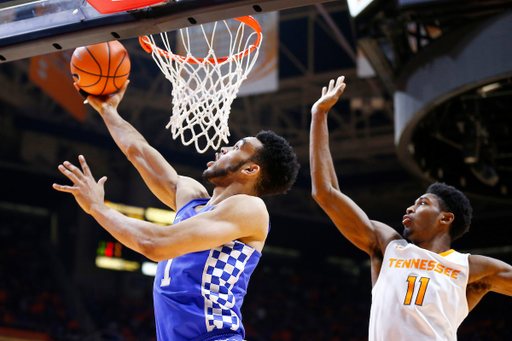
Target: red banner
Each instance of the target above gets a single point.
(52, 74)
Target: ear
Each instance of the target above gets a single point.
(251, 169)
(447, 218)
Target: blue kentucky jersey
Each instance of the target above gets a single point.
(200, 294)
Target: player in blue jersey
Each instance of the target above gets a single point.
(205, 259)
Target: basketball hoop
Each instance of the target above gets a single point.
(204, 88)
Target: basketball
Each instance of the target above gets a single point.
(100, 69)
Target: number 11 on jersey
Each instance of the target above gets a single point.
(411, 280)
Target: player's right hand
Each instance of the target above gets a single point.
(105, 102)
(330, 96)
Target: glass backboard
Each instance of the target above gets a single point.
(31, 28)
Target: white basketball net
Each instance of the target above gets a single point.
(203, 89)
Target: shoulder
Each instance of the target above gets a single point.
(481, 267)
(189, 183)
(478, 263)
(247, 203)
(250, 214)
(247, 212)
(385, 234)
(189, 189)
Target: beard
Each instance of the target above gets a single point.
(405, 233)
(213, 175)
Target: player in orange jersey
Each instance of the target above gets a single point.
(422, 289)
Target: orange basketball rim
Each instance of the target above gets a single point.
(149, 47)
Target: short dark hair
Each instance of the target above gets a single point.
(279, 166)
(452, 200)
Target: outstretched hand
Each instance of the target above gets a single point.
(105, 102)
(86, 190)
(330, 96)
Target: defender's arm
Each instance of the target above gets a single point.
(487, 274)
(349, 218)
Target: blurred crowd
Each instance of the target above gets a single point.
(119, 318)
(30, 297)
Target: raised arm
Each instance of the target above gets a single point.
(239, 217)
(158, 174)
(350, 219)
(487, 274)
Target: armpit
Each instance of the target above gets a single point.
(475, 291)
(479, 287)
(376, 251)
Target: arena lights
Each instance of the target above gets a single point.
(108, 256)
(357, 6)
(149, 268)
(118, 264)
(109, 249)
(155, 215)
(159, 216)
(109, 253)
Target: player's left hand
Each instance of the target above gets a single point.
(330, 96)
(85, 189)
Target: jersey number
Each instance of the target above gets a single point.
(167, 278)
(411, 282)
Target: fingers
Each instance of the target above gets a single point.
(61, 188)
(113, 99)
(85, 166)
(340, 85)
(337, 85)
(124, 87)
(122, 90)
(65, 169)
(75, 170)
(83, 93)
(74, 173)
(340, 81)
(102, 181)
